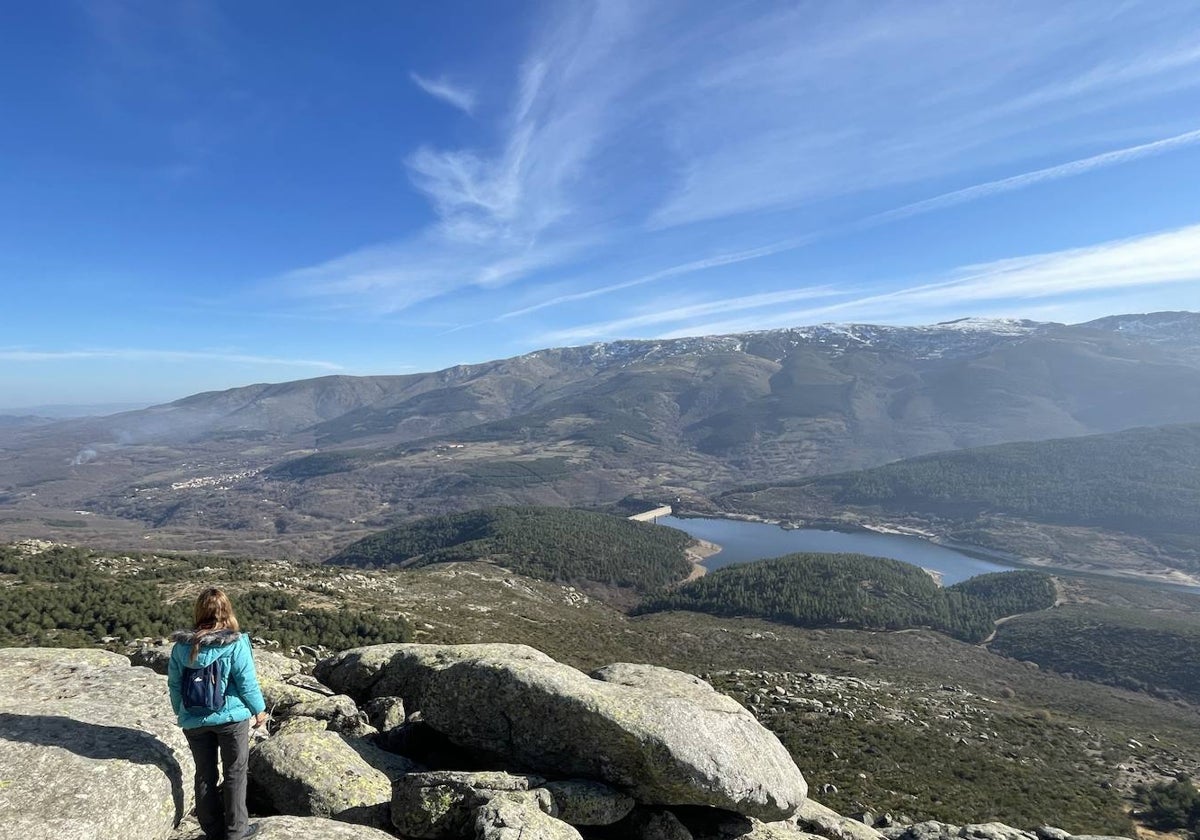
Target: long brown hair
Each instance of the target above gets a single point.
(213, 611)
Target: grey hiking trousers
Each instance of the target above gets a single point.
(221, 810)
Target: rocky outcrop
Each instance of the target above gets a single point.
(815, 817)
(89, 748)
(267, 664)
(325, 774)
(518, 816)
(744, 828)
(663, 737)
(285, 700)
(401, 670)
(580, 802)
(654, 824)
(443, 804)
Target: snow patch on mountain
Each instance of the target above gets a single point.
(1156, 327)
(953, 339)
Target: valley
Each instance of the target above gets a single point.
(301, 469)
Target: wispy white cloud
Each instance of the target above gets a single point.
(460, 97)
(669, 315)
(1170, 257)
(145, 355)
(673, 271)
(506, 213)
(896, 94)
(939, 202)
(1029, 179)
(630, 121)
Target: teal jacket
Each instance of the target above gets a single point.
(243, 698)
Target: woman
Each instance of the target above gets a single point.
(216, 642)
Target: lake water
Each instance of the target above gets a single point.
(744, 542)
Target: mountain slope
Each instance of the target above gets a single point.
(1144, 483)
(305, 467)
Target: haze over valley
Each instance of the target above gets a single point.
(301, 468)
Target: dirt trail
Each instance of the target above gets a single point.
(1058, 602)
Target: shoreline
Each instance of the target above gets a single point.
(1166, 577)
(697, 552)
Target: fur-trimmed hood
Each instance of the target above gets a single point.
(204, 638)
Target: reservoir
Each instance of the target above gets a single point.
(745, 542)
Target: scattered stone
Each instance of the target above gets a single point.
(995, 831)
(154, 657)
(309, 682)
(932, 830)
(274, 666)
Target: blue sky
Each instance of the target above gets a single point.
(201, 195)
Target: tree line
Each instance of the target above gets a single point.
(64, 597)
(854, 590)
(553, 544)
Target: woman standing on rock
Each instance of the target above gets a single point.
(214, 692)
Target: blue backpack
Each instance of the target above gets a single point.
(204, 688)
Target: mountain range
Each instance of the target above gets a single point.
(303, 468)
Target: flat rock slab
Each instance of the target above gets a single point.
(400, 670)
(662, 736)
(267, 664)
(312, 828)
(89, 748)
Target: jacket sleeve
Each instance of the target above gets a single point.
(244, 677)
(174, 682)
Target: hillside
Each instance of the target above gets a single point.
(552, 544)
(1129, 648)
(304, 468)
(70, 597)
(913, 723)
(1142, 483)
(853, 590)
